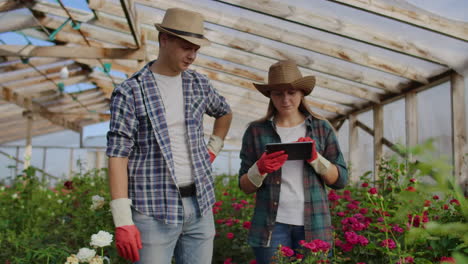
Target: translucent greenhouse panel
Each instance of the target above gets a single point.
(394, 122)
(435, 119)
(7, 166)
(343, 140)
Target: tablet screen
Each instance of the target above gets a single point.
(295, 150)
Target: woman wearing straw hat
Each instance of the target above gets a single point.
(291, 202)
(159, 164)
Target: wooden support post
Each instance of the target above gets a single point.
(353, 147)
(44, 160)
(16, 161)
(459, 136)
(28, 148)
(411, 113)
(378, 136)
(71, 164)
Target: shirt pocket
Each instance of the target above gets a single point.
(197, 108)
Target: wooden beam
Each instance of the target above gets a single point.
(130, 11)
(10, 5)
(240, 57)
(444, 77)
(353, 148)
(81, 52)
(16, 20)
(23, 101)
(412, 14)
(459, 133)
(31, 72)
(342, 25)
(412, 122)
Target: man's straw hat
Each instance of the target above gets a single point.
(184, 24)
(285, 74)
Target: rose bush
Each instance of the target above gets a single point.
(411, 213)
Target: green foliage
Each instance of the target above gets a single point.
(232, 212)
(416, 205)
(41, 224)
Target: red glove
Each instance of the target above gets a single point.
(269, 163)
(212, 156)
(314, 155)
(128, 242)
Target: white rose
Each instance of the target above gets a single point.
(72, 259)
(101, 239)
(85, 254)
(14, 196)
(96, 260)
(98, 202)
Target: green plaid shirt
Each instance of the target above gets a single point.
(317, 219)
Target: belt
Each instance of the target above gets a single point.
(187, 191)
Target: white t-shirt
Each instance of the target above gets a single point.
(291, 201)
(170, 88)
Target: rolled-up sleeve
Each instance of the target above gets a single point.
(217, 105)
(123, 123)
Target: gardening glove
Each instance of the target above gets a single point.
(317, 161)
(215, 144)
(127, 235)
(267, 163)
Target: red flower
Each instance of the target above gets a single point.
(454, 201)
(435, 197)
(413, 180)
(409, 260)
(247, 224)
(388, 243)
(228, 261)
(68, 185)
(427, 203)
(445, 207)
(230, 235)
(365, 184)
(287, 252)
(410, 189)
(447, 260)
(373, 190)
(253, 261)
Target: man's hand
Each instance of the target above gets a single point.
(215, 144)
(128, 242)
(127, 235)
(267, 163)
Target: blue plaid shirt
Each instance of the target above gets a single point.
(138, 130)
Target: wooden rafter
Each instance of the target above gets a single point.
(26, 102)
(352, 30)
(71, 52)
(130, 11)
(411, 14)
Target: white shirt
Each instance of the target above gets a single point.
(291, 201)
(170, 88)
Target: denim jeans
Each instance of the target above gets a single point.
(190, 242)
(282, 234)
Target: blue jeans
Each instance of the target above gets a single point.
(190, 242)
(282, 234)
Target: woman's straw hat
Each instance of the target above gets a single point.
(285, 74)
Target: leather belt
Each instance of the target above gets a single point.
(188, 191)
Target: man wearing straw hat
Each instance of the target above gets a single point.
(159, 165)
